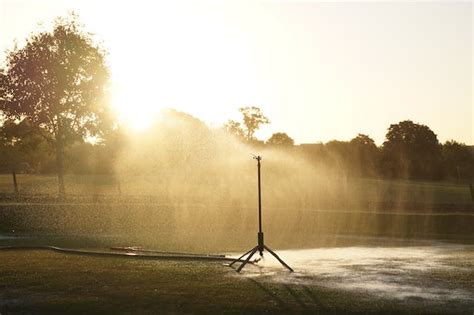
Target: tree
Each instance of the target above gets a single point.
(362, 140)
(9, 151)
(364, 155)
(457, 160)
(58, 81)
(253, 118)
(411, 150)
(17, 144)
(337, 154)
(280, 138)
(234, 128)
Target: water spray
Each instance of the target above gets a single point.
(261, 247)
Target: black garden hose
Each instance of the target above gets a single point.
(129, 254)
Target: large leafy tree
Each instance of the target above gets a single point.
(411, 150)
(252, 118)
(58, 81)
(281, 139)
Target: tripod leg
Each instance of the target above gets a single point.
(230, 265)
(279, 259)
(254, 250)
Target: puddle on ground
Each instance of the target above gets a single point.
(439, 272)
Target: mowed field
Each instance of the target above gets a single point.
(436, 192)
(147, 212)
(43, 282)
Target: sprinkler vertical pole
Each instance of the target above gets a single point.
(259, 199)
(260, 232)
(260, 243)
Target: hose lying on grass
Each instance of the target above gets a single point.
(134, 249)
(156, 256)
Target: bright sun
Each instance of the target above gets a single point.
(134, 104)
(199, 70)
(133, 108)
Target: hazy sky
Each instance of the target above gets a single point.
(319, 70)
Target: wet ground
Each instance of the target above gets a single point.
(384, 275)
(438, 273)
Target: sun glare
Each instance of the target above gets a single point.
(133, 108)
(208, 75)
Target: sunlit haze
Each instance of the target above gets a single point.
(318, 70)
(251, 157)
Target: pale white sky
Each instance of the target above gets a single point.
(319, 70)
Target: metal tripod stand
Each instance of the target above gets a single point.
(260, 243)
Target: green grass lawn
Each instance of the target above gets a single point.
(413, 191)
(44, 282)
(185, 220)
(48, 184)
(37, 282)
(347, 189)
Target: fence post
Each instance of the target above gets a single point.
(15, 183)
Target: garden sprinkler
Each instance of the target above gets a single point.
(260, 243)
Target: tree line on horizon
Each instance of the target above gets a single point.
(410, 150)
(53, 98)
